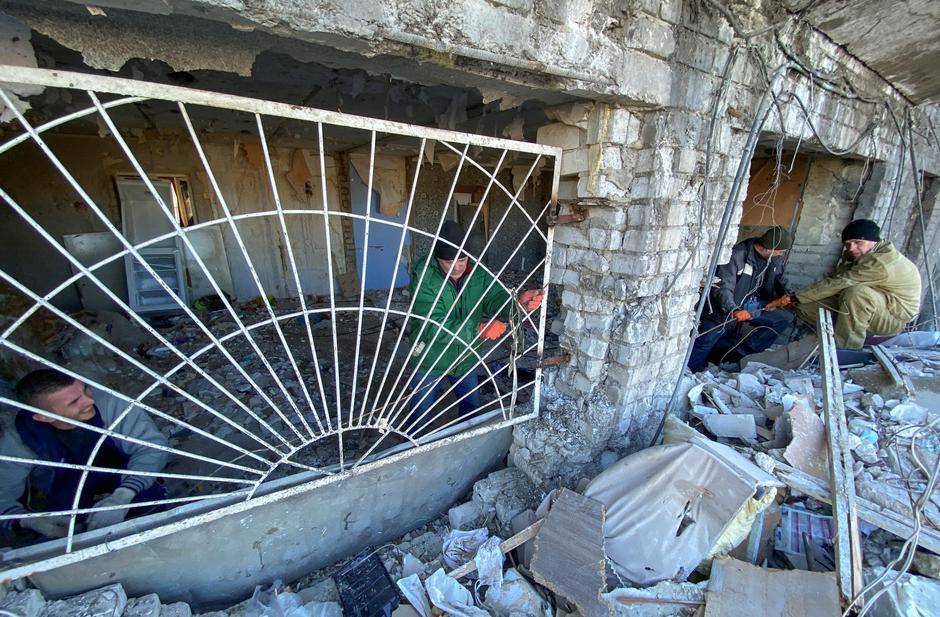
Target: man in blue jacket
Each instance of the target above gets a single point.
(38, 437)
(741, 289)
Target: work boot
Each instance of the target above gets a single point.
(791, 356)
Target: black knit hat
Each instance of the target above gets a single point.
(453, 233)
(862, 229)
(776, 239)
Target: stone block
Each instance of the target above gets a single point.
(686, 158)
(592, 368)
(103, 602)
(571, 299)
(562, 276)
(670, 11)
(144, 606)
(177, 609)
(739, 426)
(670, 238)
(575, 114)
(607, 217)
(567, 189)
(641, 241)
(623, 127)
(561, 135)
(572, 236)
(574, 161)
(605, 240)
(633, 265)
(466, 516)
(594, 348)
(611, 158)
(27, 603)
(652, 35)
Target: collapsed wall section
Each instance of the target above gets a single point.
(653, 187)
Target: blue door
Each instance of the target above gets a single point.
(383, 239)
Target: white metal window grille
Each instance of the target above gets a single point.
(307, 381)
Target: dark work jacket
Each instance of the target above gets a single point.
(746, 276)
(59, 484)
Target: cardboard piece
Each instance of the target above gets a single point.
(739, 589)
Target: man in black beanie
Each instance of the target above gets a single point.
(461, 305)
(875, 290)
(736, 323)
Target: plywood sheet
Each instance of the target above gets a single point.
(739, 589)
(568, 554)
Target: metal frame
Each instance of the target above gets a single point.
(308, 415)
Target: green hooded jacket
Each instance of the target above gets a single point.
(451, 350)
(884, 269)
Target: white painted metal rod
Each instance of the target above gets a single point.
(364, 277)
(75, 263)
(133, 87)
(301, 298)
(158, 379)
(262, 293)
(447, 274)
(108, 432)
(391, 285)
(494, 281)
(123, 472)
(404, 327)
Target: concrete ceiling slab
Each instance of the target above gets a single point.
(899, 40)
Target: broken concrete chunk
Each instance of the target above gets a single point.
(927, 564)
(104, 602)
(808, 450)
(466, 516)
(515, 598)
(738, 426)
(506, 493)
(749, 385)
(560, 135)
(27, 603)
(909, 413)
(177, 609)
(909, 596)
(324, 590)
(411, 565)
(144, 606)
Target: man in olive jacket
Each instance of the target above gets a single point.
(875, 290)
(458, 303)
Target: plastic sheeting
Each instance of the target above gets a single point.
(667, 506)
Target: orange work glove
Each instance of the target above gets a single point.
(531, 299)
(741, 315)
(492, 331)
(784, 301)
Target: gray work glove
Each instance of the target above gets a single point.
(49, 526)
(120, 497)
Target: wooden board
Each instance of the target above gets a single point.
(568, 556)
(847, 538)
(739, 589)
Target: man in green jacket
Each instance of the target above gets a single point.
(875, 290)
(457, 304)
